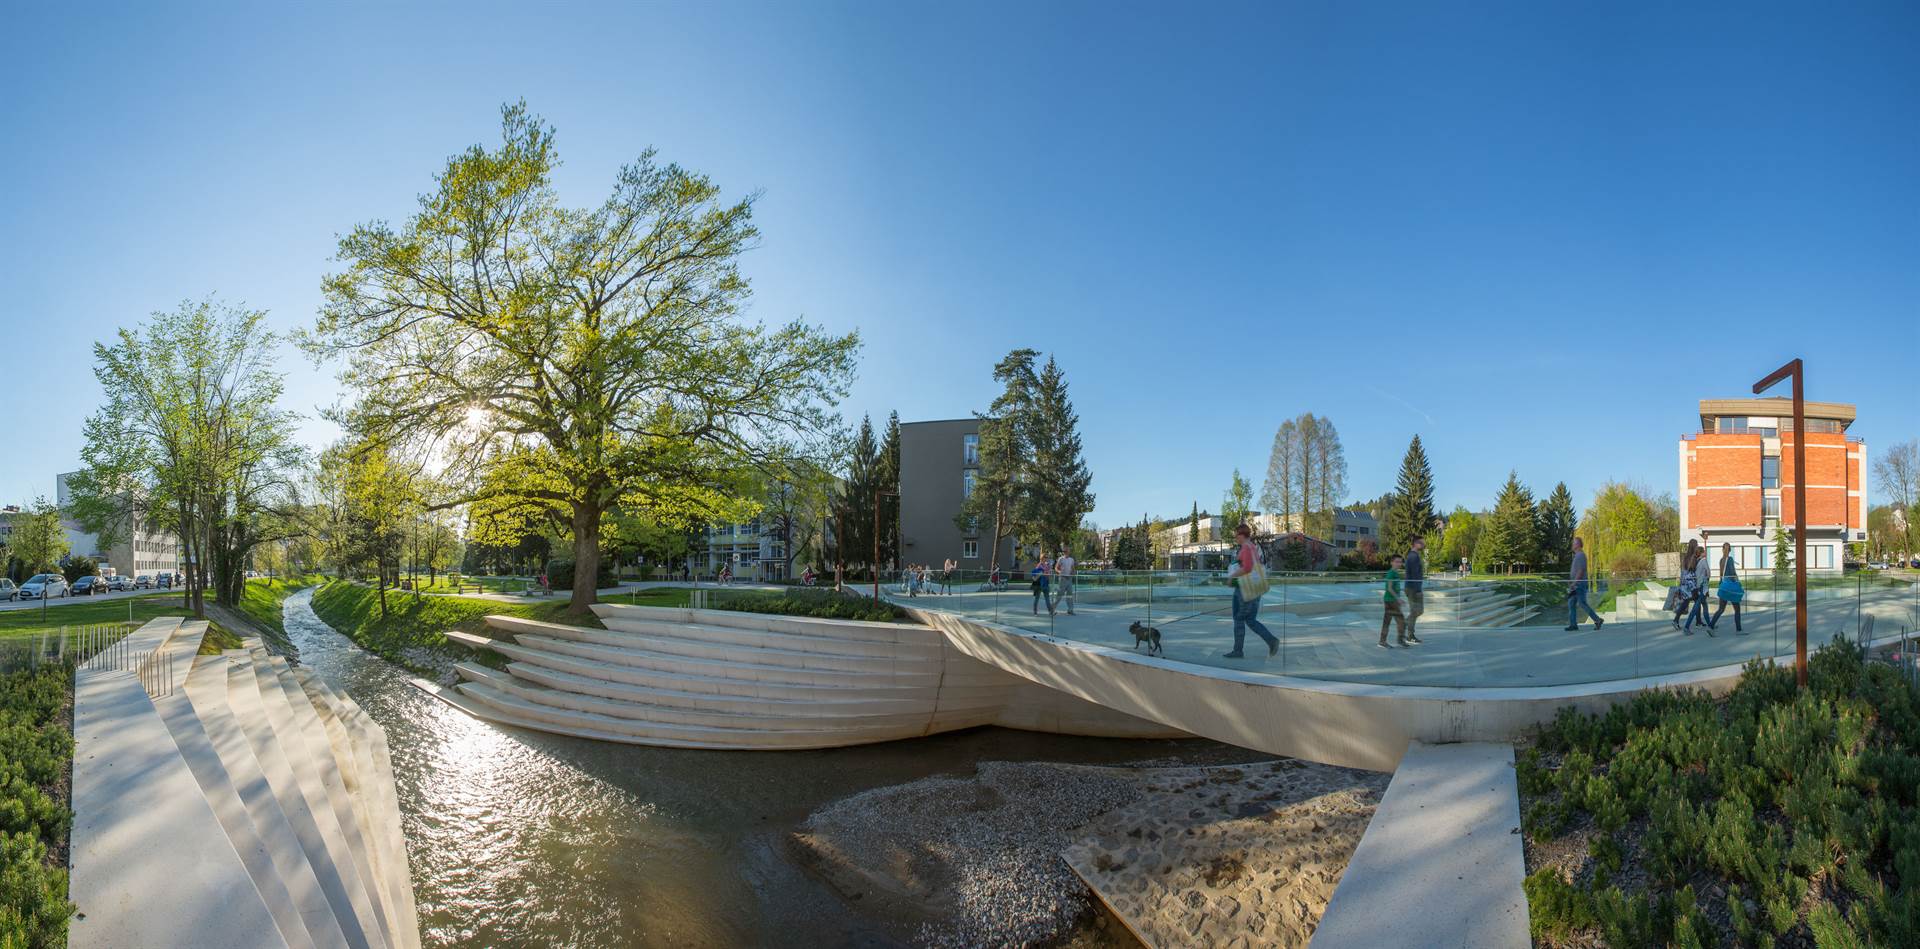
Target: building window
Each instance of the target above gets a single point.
(966, 483)
(973, 525)
(969, 449)
(970, 550)
(1770, 471)
(1770, 511)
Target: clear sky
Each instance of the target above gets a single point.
(1536, 234)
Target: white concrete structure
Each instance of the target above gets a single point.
(1441, 863)
(719, 679)
(249, 805)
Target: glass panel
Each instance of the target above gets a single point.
(1770, 472)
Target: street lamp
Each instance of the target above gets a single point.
(1792, 371)
(877, 497)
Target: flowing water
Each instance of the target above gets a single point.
(521, 838)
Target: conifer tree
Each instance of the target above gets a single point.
(853, 506)
(1057, 479)
(999, 492)
(889, 480)
(1193, 525)
(1554, 522)
(1410, 515)
(1508, 539)
(1783, 552)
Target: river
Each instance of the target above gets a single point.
(521, 838)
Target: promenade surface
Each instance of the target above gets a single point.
(1344, 646)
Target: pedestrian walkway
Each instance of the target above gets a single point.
(1442, 862)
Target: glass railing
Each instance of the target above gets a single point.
(1470, 631)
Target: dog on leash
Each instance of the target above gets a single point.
(1142, 633)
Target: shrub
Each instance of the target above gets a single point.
(1631, 561)
(35, 751)
(802, 601)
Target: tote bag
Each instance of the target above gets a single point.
(1255, 584)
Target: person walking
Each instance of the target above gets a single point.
(1702, 577)
(946, 577)
(1038, 575)
(1415, 586)
(1249, 581)
(1730, 590)
(1577, 589)
(1392, 600)
(1063, 574)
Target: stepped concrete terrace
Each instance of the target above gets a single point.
(744, 681)
(239, 802)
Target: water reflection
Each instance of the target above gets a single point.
(521, 838)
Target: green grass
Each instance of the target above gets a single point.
(36, 755)
(1773, 816)
(421, 623)
(29, 622)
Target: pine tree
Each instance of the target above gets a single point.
(1193, 525)
(1554, 522)
(1056, 478)
(853, 505)
(888, 479)
(1410, 514)
(1508, 539)
(999, 491)
(1783, 551)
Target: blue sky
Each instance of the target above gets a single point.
(1536, 234)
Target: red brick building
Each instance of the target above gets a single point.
(1736, 480)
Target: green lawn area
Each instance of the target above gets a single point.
(421, 622)
(1774, 816)
(29, 622)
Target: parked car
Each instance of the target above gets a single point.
(119, 582)
(143, 582)
(87, 586)
(163, 582)
(9, 591)
(44, 586)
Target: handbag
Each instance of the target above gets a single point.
(1254, 584)
(1730, 589)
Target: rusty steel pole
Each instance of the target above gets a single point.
(1792, 371)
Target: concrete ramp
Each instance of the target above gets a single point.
(1442, 862)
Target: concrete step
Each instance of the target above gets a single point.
(650, 732)
(252, 710)
(196, 747)
(676, 698)
(789, 717)
(928, 645)
(740, 668)
(206, 690)
(146, 843)
(858, 656)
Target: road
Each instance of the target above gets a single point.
(58, 601)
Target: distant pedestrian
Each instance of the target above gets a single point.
(1702, 578)
(1392, 613)
(1039, 579)
(1730, 590)
(1416, 587)
(1577, 589)
(1249, 579)
(946, 576)
(1063, 572)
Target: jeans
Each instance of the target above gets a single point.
(1066, 594)
(1416, 605)
(1698, 610)
(1245, 612)
(1577, 601)
(1040, 595)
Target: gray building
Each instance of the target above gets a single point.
(143, 549)
(938, 464)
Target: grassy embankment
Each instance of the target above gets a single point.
(36, 756)
(1773, 816)
(414, 631)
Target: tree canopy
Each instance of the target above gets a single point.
(1409, 512)
(595, 356)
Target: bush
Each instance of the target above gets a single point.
(560, 574)
(77, 567)
(1631, 561)
(802, 601)
(36, 749)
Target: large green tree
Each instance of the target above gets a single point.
(593, 348)
(38, 539)
(1410, 512)
(1058, 483)
(1459, 541)
(853, 506)
(191, 441)
(889, 482)
(1554, 522)
(998, 499)
(1236, 505)
(1619, 529)
(1508, 539)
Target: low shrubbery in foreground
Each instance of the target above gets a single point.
(1773, 816)
(36, 753)
(801, 601)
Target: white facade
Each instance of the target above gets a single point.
(142, 551)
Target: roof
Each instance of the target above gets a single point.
(1773, 405)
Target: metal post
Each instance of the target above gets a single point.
(1793, 371)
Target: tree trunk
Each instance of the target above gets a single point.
(586, 559)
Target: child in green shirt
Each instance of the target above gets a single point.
(1392, 599)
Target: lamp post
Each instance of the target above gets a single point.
(1792, 371)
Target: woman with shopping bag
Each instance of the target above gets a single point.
(1249, 578)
